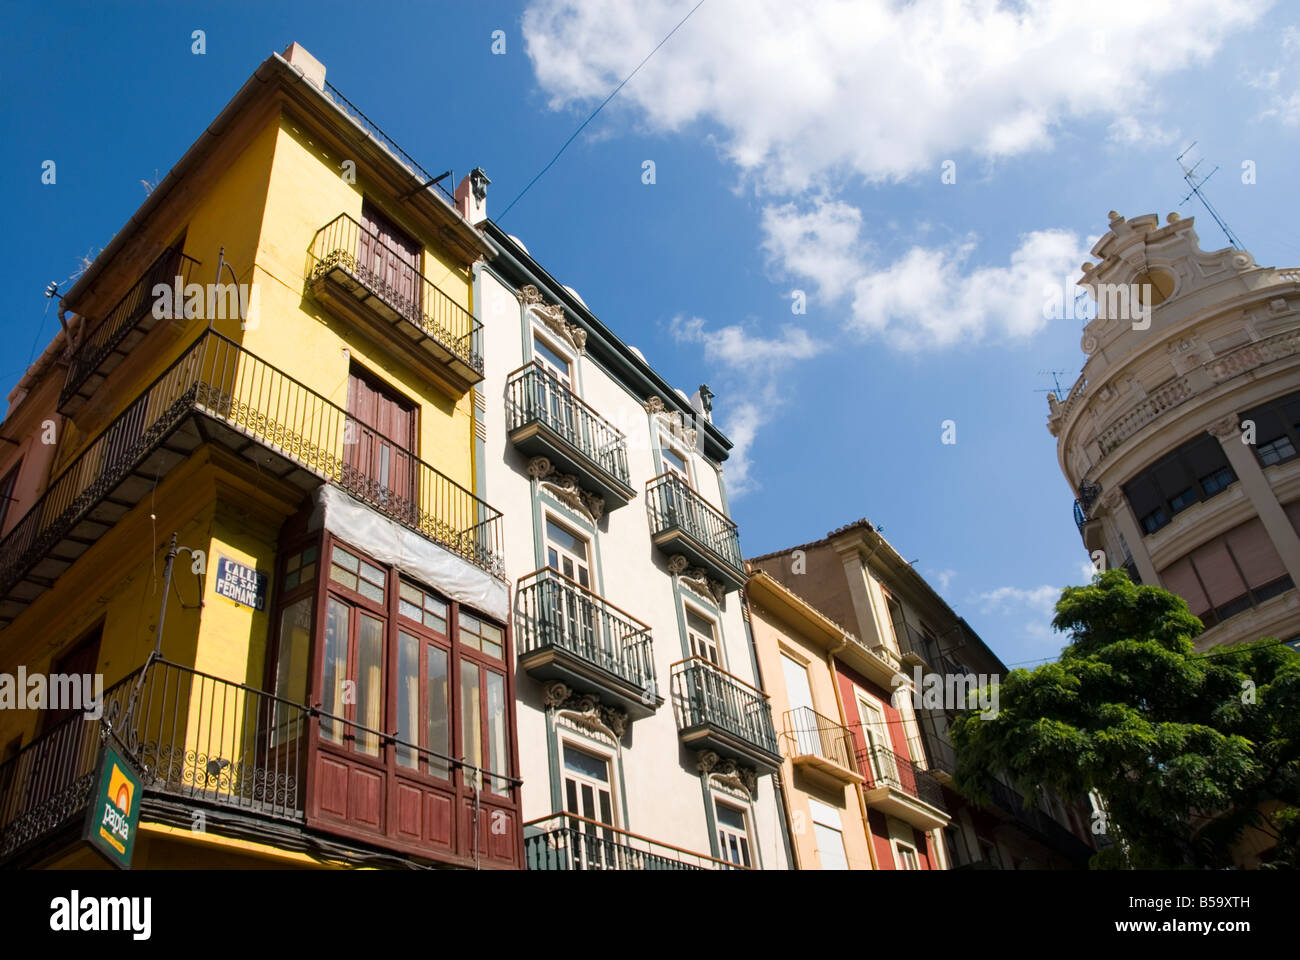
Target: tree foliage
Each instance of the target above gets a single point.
(1192, 753)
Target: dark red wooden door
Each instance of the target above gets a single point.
(380, 448)
(392, 258)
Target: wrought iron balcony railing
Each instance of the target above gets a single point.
(196, 737)
(706, 534)
(220, 380)
(564, 841)
(706, 696)
(914, 644)
(536, 398)
(108, 339)
(883, 768)
(343, 249)
(1046, 827)
(561, 625)
(828, 745)
(389, 144)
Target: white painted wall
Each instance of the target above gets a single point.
(664, 797)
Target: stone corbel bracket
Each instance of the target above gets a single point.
(565, 488)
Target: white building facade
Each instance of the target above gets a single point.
(645, 739)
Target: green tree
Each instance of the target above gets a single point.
(1188, 751)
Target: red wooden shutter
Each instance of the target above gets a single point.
(1180, 578)
(1255, 553)
(1218, 573)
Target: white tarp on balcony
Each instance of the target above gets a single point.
(391, 543)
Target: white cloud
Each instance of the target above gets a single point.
(1006, 599)
(943, 578)
(930, 298)
(1281, 105)
(820, 243)
(878, 89)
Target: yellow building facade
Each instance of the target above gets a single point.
(274, 361)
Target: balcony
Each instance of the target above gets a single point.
(217, 392)
(203, 743)
(544, 418)
(437, 332)
(108, 342)
(941, 757)
(1043, 827)
(716, 711)
(819, 746)
(914, 647)
(569, 842)
(566, 632)
(900, 788)
(681, 521)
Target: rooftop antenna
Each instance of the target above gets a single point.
(1188, 175)
(1055, 375)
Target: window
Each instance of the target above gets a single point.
(552, 362)
(390, 260)
(702, 635)
(1229, 574)
(1277, 429)
(300, 568)
(827, 832)
(7, 486)
(566, 552)
(379, 444)
(1191, 474)
(804, 723)
(480, 635)
(423, 697)
(905, 855)
(733, 833)
(587, 790)
(674, 461)
(291, 662)
(483, 720)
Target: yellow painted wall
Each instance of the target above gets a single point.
(306, 340)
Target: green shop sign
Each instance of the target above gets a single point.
(114, 808)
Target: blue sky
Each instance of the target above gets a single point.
(796, 146)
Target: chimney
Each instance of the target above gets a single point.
(471, 196)
(312, 69)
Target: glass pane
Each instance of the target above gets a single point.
(291, 580)
(697, 623)
(367, 589)
(470, 716)
(579, 761)
(309, 555)
(408, 697)
(561, 537)
(291, 669)
(438, 623)
(335, 668)
(370, 682)
(293, 563)
(549, 356)
(410, 594)
(673, 459)
(372, 573)
(409, 610)
(439, 720)
(491, 639)
(346, 560)
(469, 627)
(731, 817)
(344, 577)
(496, 706)
(308, 573)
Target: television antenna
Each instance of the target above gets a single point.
(1055, 375)
(1196, 185)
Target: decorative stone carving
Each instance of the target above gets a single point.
(697, 578)
(672, 421)
(586, 710)
(552, 315)
(565, 488)
(1225, 427)
(1112, 499)
(727, 772)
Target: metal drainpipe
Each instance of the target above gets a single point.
(857, 787)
